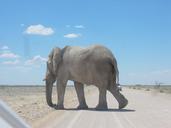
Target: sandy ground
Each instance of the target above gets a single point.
(146, 109)
(30, 103)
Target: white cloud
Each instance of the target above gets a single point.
(39, 30)
(6, 53)
(5, 47)
(35, 60)
(72, 35)
(79, 26)
(10, 62)
(9, 55)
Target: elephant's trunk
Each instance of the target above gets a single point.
(49, 86)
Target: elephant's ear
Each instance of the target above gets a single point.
(50, 62)
(57, 57)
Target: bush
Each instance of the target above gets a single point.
(147, 89)
(161, 91)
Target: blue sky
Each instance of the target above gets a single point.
(137, 32)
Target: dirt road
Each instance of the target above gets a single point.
(146, 109)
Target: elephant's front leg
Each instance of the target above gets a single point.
(61, 85)
(79, 87)
(102, 105)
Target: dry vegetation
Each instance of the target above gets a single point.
(161, 88)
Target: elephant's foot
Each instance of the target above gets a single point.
(123, 103)
(52, 105)
(101, 107)
(82, 106)
(59, 107)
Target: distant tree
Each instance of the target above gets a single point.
(158, 84)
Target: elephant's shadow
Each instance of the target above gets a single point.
(103, 110)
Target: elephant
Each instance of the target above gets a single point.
(93, 65)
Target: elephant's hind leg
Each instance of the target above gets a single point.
(79, 87)
(119, 97)
(102, 105)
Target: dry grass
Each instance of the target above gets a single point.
(147, 89)
(161, 89)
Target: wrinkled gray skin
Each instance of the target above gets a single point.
(94, 65)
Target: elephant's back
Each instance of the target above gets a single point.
(97, 53)
(91, 54)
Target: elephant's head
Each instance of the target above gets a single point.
(53, 62)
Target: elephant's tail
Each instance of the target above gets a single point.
(114, 63)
